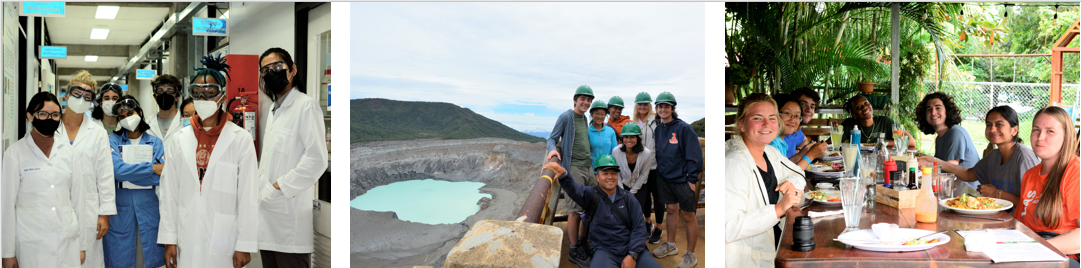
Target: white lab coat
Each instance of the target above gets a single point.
(40, 225)
(294, 156)
(209, 221)
(155, 128)
(749, 218)
(94, 156)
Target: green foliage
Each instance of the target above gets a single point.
(382, 119)
(1028, 30)
(700, 127)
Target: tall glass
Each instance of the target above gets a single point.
(945, 182)
(835, 135)
(900, 139)
(852, 195)
(868, 165)
(850, 153)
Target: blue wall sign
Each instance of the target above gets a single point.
(53, 52)
(42, 9)
(209, 26)
(145, 74)
(123, 87)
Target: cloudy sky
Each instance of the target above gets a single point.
(519, 63)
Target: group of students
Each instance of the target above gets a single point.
(70, 199)
(764, 181)
(655, 158)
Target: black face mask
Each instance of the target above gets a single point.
(276, 81)
(46, 127)
(165, 101)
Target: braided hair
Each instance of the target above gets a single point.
(214, 66)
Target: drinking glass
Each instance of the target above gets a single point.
(868, 166)
(850, 152)
(835, 135)
(852, 196)
(945, 188)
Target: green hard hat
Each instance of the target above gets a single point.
(643, 97)
(666, 97)
(615, 101)
(584, 90)
(631, 130)
(605, 161)
(598, 104)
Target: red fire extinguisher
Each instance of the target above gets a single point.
(245, 115)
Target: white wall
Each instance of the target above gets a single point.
(318, 22)
(257, 26)
(142, 91)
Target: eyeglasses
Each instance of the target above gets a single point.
(43, 115)
(81, 93)
(276, 66)
(205, 91)
(165, 89)
(788, 116)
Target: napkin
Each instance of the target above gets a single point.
(815, 214)
(885, 231)
(979, 241)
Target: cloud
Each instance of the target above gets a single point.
(519, 63)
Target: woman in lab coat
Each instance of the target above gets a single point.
(90, 144)
(135, 225)
(103, 113)
(295, 158)
(209, 198)
(40, 192)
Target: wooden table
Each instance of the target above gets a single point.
(829, 253)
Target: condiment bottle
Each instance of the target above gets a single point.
(891, 166)
(913, 176)
(926, 203)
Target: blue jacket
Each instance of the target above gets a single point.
(679, 154)
(601, 142)
(606, 230)
(564, 128)
(134, 206)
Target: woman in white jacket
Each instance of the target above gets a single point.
(645, 118)
(761, 184)
(633, 175)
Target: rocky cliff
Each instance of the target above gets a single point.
(508, 168)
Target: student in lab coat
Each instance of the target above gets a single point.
(39, 223)
(90, 144)
(295, 156)
(103, 112)
(166, 94)
(134, 233)
(209, 198)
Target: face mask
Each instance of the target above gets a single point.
(185, 121)
(107, 107)
(131, 122)
(46, 127)
(79, 105)
(165, 101)
(205, 108)
(276, 81)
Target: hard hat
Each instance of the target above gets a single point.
(666, 97)
(643, 97)
(615, 101)
(631, 130)
(598, 104)
(583, 90)
(605, 161)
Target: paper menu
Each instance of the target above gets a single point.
(135, 154)
(1002, 235)
(1014, 246)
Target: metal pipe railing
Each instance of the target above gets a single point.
(536, 208)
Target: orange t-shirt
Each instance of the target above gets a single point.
(1032, 188)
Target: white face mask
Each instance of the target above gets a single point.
(205, 108)
(107, 107)
(79, 105)
(131, 122)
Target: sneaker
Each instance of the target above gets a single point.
(665, 250)
(655, 236)
(688, 261)
(579, 256)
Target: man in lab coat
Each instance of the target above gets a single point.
(295, 156)
(209, 198)
(166, 94)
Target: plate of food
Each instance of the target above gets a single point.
(821, 196)
(831, 156)
(966, 204)
(903, 240)
(826, 169)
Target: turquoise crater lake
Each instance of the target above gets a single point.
(425, 201)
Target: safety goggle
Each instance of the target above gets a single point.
(275, 66)
(81, 93)
(205, 91)
(165, 89)
(110, 87)
(125, 106)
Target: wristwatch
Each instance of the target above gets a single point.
(634, 256)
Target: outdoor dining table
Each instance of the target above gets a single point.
(829, 253)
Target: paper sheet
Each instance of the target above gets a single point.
(1014, 246)
(135, 154)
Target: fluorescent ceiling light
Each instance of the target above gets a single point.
(107, 12)
(99, 33)
(91, 58)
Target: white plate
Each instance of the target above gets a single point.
(831, 158)
(826, 174)
(832, 193)
(1005, 205)
(852, 239)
